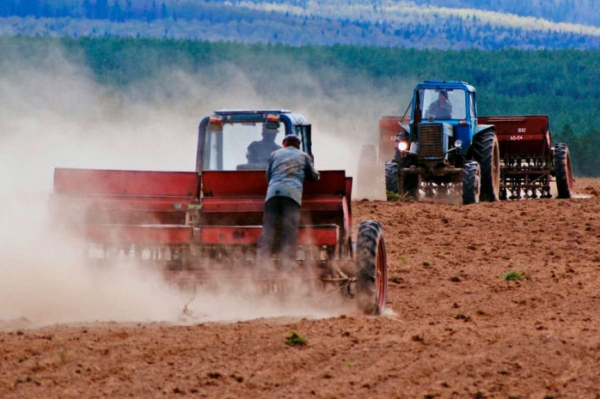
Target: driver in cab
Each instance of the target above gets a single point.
(259, 151)
(440, 108)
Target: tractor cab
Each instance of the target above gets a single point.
(447, 104)
(243, 139)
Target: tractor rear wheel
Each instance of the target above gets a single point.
(486, 152)
(391, 176)
(564, 176)
(371, 268)
(471, 178)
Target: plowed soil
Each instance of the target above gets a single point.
(458, 325)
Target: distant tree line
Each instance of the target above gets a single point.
(116, 10)
(558, 83)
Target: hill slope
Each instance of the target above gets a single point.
(408, 24)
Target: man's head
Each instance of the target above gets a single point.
(443, 97)
(269, 133)
(291, 140)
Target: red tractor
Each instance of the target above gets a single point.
(206, 223)
(442, 151)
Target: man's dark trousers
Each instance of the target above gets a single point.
(283, 213)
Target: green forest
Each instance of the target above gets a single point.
(559, 83)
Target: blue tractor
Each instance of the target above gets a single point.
(441, 151)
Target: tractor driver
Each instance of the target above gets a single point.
(440, 108)
(259, 151)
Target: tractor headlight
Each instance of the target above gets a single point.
(458, 144)
(402, 146)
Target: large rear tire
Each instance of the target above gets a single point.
(391, 176)
(371, 268)
(471, 179)
(564, 175)
(486, 152)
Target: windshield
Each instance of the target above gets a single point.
(240, 146)
(443, 104)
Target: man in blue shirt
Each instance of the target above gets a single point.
(286, 171)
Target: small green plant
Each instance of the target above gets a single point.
(512, 275)
(427, 263)
(402, 259)
(296, 339)
(391, 196)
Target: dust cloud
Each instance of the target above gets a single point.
(55, 115)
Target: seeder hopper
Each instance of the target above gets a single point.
(205, 224)
(528, 162)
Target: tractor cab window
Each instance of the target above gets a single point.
(443, 104)
(240, 146)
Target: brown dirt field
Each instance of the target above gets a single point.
(459, 330)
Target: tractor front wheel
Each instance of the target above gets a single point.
(486, 152)
(371, 268)
(391, 176)
(471, 178)
(564, 176)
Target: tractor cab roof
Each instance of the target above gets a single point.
(251, 111)
(445, 85)
(260, 115)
